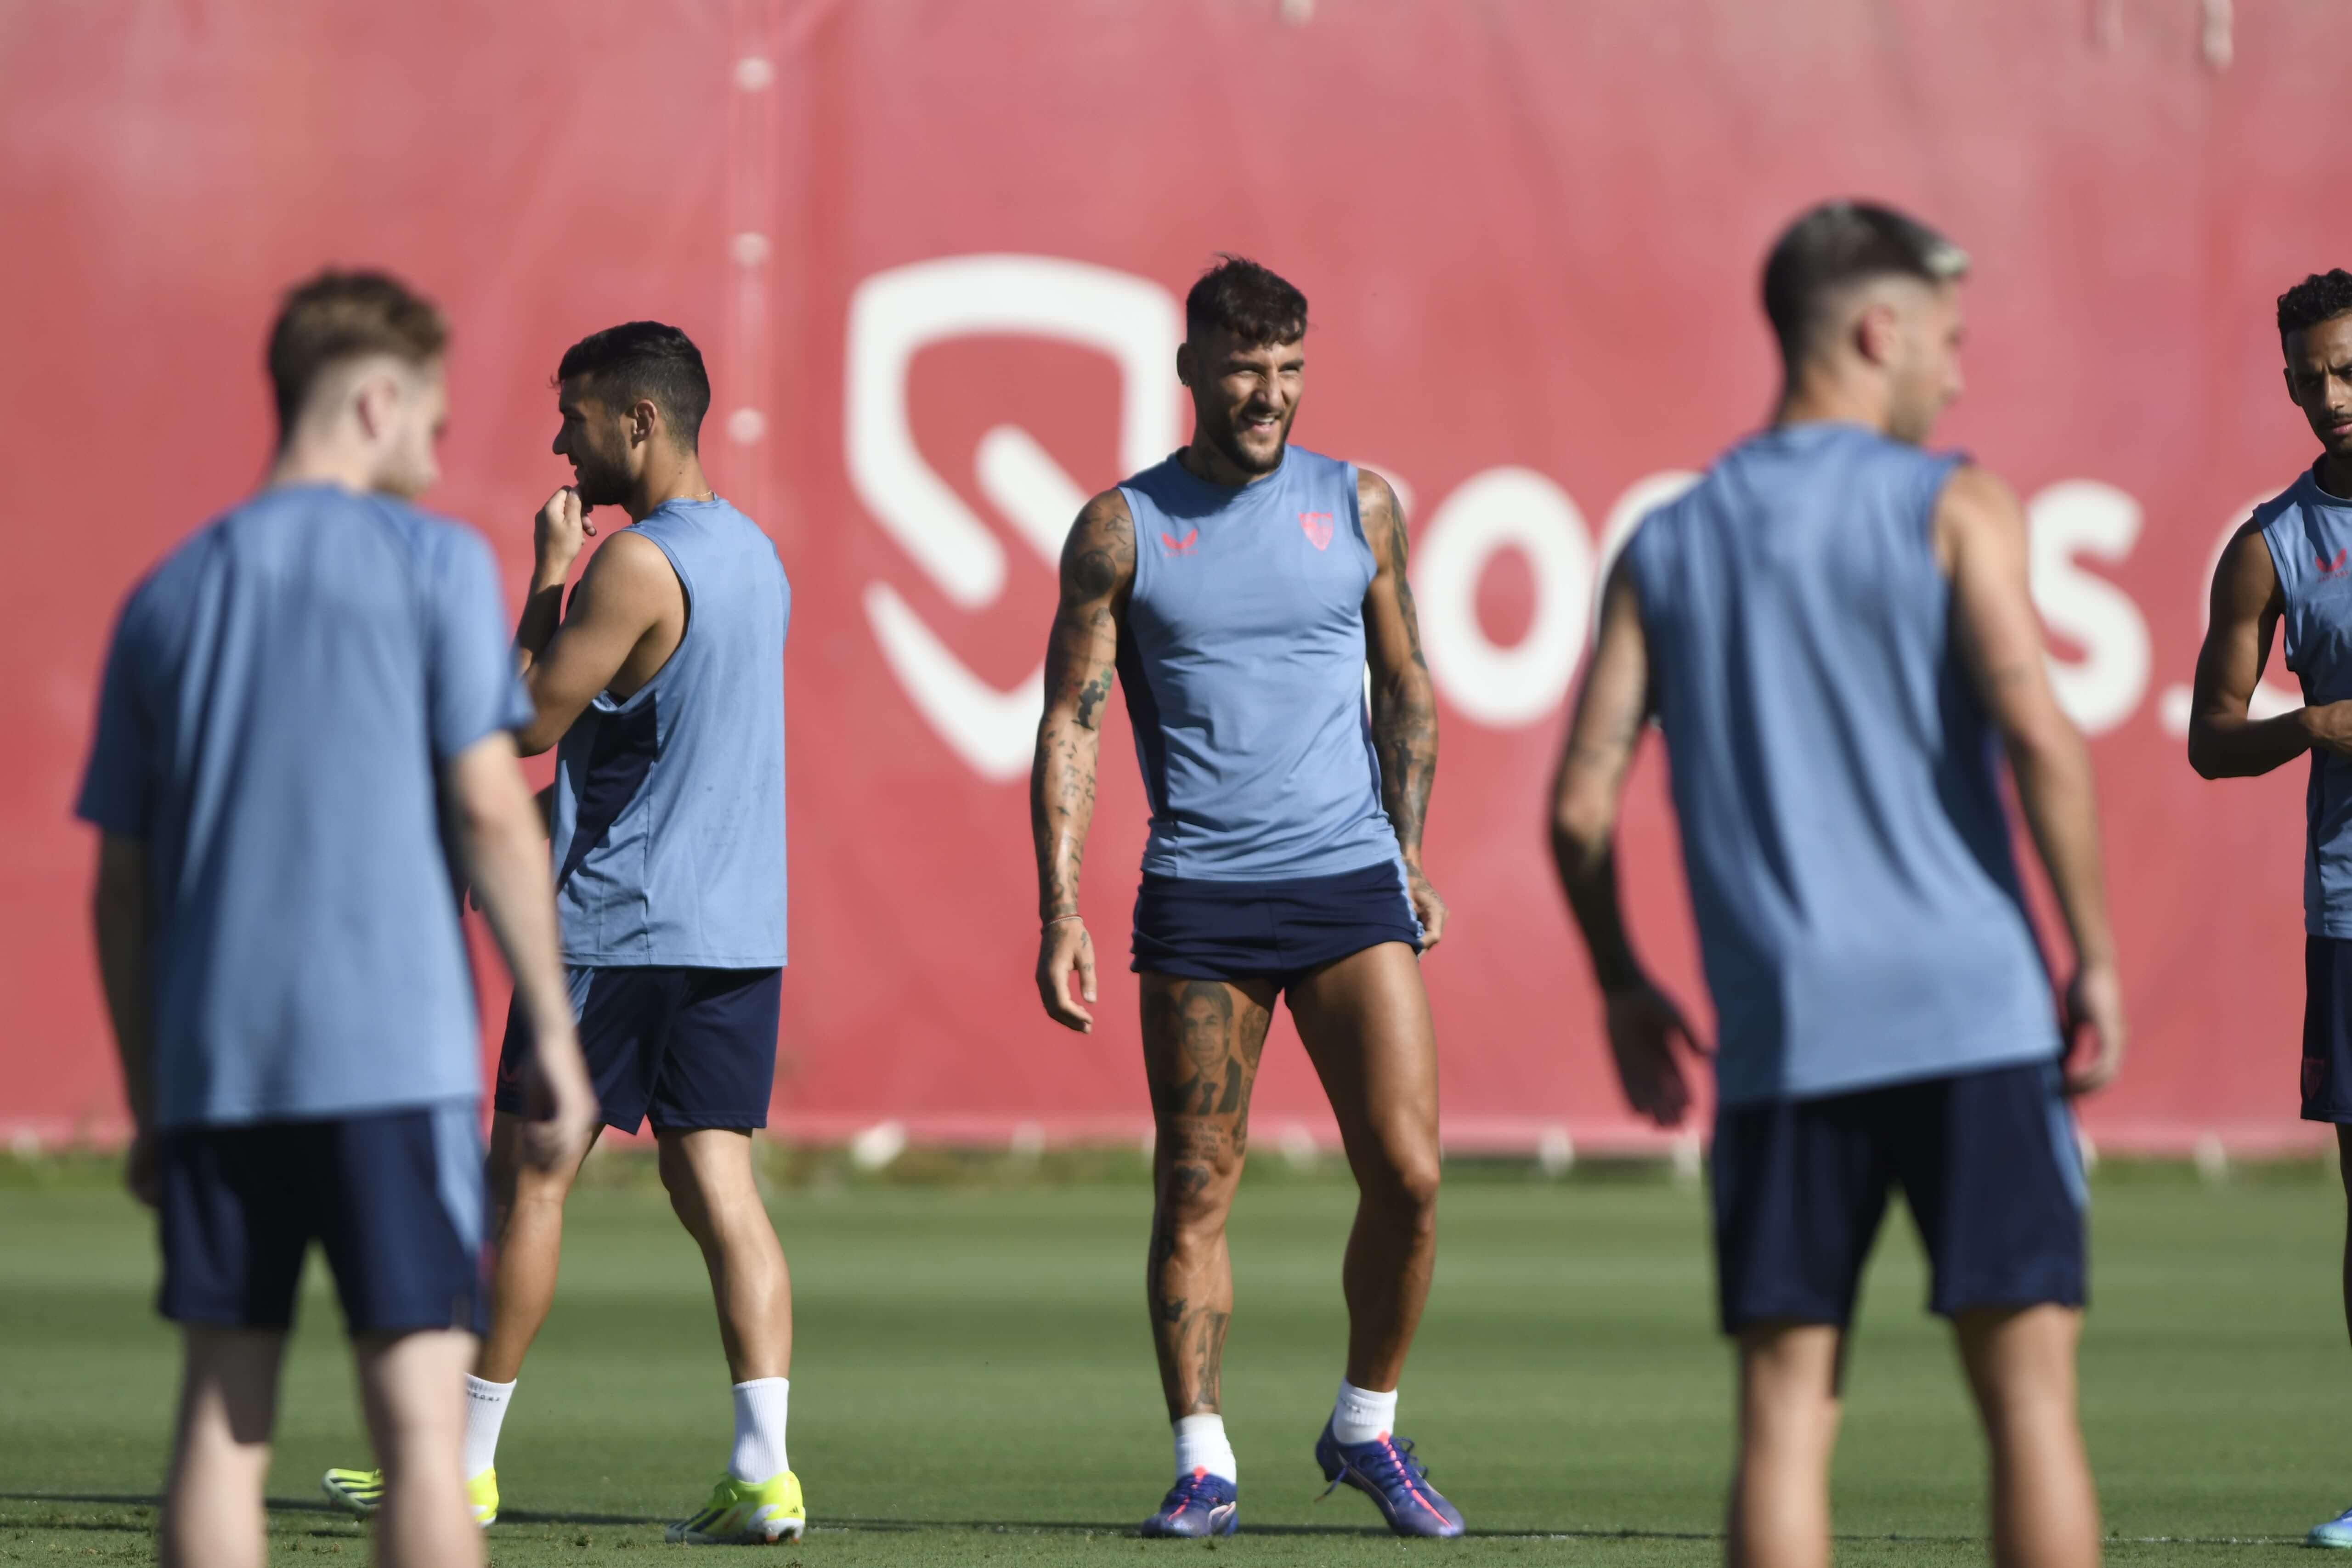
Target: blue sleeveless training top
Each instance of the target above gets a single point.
(282, 696)
(1242, 663)
(2309, 533)
(1834, 774)
(670, 807)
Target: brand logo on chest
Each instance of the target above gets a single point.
(1184, 546)
(1317, 527)
(2334, 568)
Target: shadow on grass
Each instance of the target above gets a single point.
(1045, 1526)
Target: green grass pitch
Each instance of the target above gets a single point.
(973, 1384)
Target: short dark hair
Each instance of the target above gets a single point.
(644, 359)
(1248, 301)
(338, 316)
(1837, 244)
(2322, 297)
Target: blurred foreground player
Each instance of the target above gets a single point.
(1238, 589)
(663, 686)
(2288, 563)
(1833, 630)
(294, 699)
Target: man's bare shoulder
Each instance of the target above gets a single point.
(2247, 577)
(630, 556)
(629, 573)
(1098, 557)
(1975, 493)
(1975, 511)
(1382, 513)
(1374, 490)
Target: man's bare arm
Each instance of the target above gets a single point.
(1603, 736)
(504, 856)
(2224, 740)
(1081, 656)
(1642, 1024)
(1981, 540)
(1405, 702)
(121, 916)
(624, 596)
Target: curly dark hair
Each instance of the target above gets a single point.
(2322, 297)
(1247, 300)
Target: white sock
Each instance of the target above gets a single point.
(1358, 1415)
(486, 1412)
(760, 1406)
(1201, 1446)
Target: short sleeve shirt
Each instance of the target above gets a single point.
(278, 701)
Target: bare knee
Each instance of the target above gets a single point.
(2020, 1362)
(708, 1175)
(676, 1166)
(1402, 1188)
(230, 1386)
(1788, 1377)
(514, 1185)
(413, 1387)
(684, 1185)
(1194, 1193)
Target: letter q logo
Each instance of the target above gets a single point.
(894, 315)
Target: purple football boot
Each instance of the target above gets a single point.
(1385, 1471)
(1198, 1504)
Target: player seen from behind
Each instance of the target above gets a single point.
(1834, 632)
(295, 699)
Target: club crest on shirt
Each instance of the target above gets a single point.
(1181, 546)
(1317, 525)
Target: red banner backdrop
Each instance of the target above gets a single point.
(935, 254)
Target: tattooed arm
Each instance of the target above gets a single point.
(1097, 570)
(1642, 1024)
(1404, 705)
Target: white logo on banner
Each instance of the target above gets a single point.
(893, 316)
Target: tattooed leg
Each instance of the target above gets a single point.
(1202, 1039)
(1365, 1023)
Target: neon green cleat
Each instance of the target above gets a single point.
(746, 1513)
(356, 1492)
(361, 1492)
(482, 1491)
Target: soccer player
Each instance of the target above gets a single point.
(294, 699)
(2288, 563)
(662, 688)
(1834, 632)
(1238, 589)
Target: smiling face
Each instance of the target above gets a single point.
(2319, 379)
(1245, 396)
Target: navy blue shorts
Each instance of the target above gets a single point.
(683, 1047)
(1986, 1161)
(395, 1198)
(1277, 931)
(2326, 1029)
